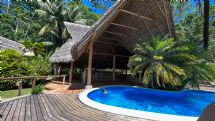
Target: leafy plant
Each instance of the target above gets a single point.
(37, 89)
(165, 63)
(40, 66)
(13, 64)
(36, 47)
(54, 13)
(12, 84)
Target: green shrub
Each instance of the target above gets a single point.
(171, 65)
(13, 64)
(12, 84)
(37, 89)
(7, 84)
(40, 66)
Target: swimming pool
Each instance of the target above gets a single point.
(118, 99)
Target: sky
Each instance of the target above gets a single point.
(99, 11)
(109, 3)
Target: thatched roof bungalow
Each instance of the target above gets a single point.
(63, 54)
(109, 42)
(9, 44)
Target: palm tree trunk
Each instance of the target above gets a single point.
(199, 7)
(206, 24)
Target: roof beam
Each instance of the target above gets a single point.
(139, 12)
(134, 14)
(125, 26)
(160, 8)
(155, 21)
(116, 33)
(140, 28)
(167, 20)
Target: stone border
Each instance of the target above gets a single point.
(130, 112)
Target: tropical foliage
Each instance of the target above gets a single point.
(40, 66)
(164, 63)
(54, 14)
(22, 21)
(37, 89)
(13, 64)
(189, 25)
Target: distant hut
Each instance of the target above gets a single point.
(109, 42)
(6, 44)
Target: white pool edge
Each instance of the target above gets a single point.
(130, 112)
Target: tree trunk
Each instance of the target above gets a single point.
(206, 24)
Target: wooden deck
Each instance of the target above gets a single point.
(55, 107)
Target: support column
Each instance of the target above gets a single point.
(55, 69)
(58, 69)
(114, 68)
(71, 72)
(89, 68)
(126, 74)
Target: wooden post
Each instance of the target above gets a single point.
(55, 69)
(33, 82)
(59, 69)
(84, 75)
(114, 68)
(89, 68)
(126, 74)
(20, 87)
(71, 72)
(64, 78)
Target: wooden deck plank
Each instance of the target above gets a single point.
(33, 109)
(87, 109)
(17, 112)
(38, 109)
(49, 112)
(7, 110)
(56, 107)
(12, 111)
(28, 109)
(61, 112)
(70, 110)
(87, 117)
(48, 109)
(54, 110)
(22, 110)
(42, 107)
(3, 107)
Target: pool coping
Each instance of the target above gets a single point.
(130, 112)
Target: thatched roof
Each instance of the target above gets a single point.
(126, 23)
(9, 44)
(63, 54)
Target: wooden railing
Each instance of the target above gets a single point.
(34, 79)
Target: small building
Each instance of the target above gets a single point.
(9, 44)
(109, 42)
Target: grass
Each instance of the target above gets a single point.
(14, 93)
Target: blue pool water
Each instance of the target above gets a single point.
(184, 103)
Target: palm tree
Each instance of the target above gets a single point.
(206, 23)
(54, 14)
(168, 63)
(159, 62)
(58, 11)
